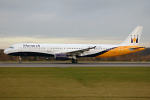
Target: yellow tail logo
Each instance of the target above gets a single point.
(135, 39)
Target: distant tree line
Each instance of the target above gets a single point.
(138, 56)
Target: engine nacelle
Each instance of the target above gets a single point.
(61, 57)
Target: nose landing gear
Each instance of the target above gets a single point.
(20, 59)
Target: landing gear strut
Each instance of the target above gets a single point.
(74, 60)
(20, 59)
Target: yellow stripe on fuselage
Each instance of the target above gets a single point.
(121, 50)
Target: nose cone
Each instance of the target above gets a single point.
(6, 51)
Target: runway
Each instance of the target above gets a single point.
(83, 64)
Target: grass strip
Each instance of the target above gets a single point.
(75, 83)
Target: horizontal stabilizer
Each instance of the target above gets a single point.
(132, 49)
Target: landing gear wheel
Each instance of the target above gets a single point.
(74, 60)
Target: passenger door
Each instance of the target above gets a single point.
(48, 48)
(121, 49)
(20, 48)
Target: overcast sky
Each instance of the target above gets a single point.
(72, 21)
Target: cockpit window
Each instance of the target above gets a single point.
(12, 47)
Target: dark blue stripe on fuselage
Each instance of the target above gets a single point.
(99, 53)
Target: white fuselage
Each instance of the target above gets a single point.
(52, 49)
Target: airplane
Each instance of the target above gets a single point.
(74, 51)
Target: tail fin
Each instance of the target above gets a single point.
(134, 37)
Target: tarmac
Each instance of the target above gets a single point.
(82, 64)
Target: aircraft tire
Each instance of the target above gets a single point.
(74, 61)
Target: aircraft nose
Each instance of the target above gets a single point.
(6, 51)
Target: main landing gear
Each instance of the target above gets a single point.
(74, 60)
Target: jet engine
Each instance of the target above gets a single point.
(61, 57)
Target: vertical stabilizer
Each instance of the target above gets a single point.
(134, 37)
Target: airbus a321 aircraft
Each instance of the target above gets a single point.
(73, 51)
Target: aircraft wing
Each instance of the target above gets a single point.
(78, 52)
